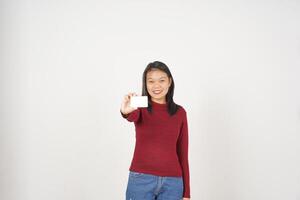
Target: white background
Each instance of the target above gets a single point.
(66, 65)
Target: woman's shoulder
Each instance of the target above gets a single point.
(181, 109)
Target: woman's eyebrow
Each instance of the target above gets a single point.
(159, 78)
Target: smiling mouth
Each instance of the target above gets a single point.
(157, 92)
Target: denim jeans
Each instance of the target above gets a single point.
(143, 186)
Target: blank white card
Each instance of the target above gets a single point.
(138, 101)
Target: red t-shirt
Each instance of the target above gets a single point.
(161, 146)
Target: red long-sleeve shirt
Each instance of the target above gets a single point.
(161, 146)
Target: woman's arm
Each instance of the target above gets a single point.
(182, 152)
(134, 116)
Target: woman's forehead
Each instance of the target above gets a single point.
(156, 74)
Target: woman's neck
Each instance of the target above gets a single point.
(159, 101)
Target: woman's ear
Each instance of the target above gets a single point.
(170, 82)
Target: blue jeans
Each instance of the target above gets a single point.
(143, 186)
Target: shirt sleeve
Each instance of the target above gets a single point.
(182, 152)
(133, 116)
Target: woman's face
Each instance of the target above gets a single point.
(158, 84)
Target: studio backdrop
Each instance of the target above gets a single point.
(66, 65)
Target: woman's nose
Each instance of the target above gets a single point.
(157, 86)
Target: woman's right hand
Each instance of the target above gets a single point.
(125, 107)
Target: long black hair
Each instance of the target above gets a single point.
(172, 107)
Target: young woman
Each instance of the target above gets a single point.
(160, 167)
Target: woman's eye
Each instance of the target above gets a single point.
(162, 80)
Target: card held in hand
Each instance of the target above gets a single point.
(138, 101)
